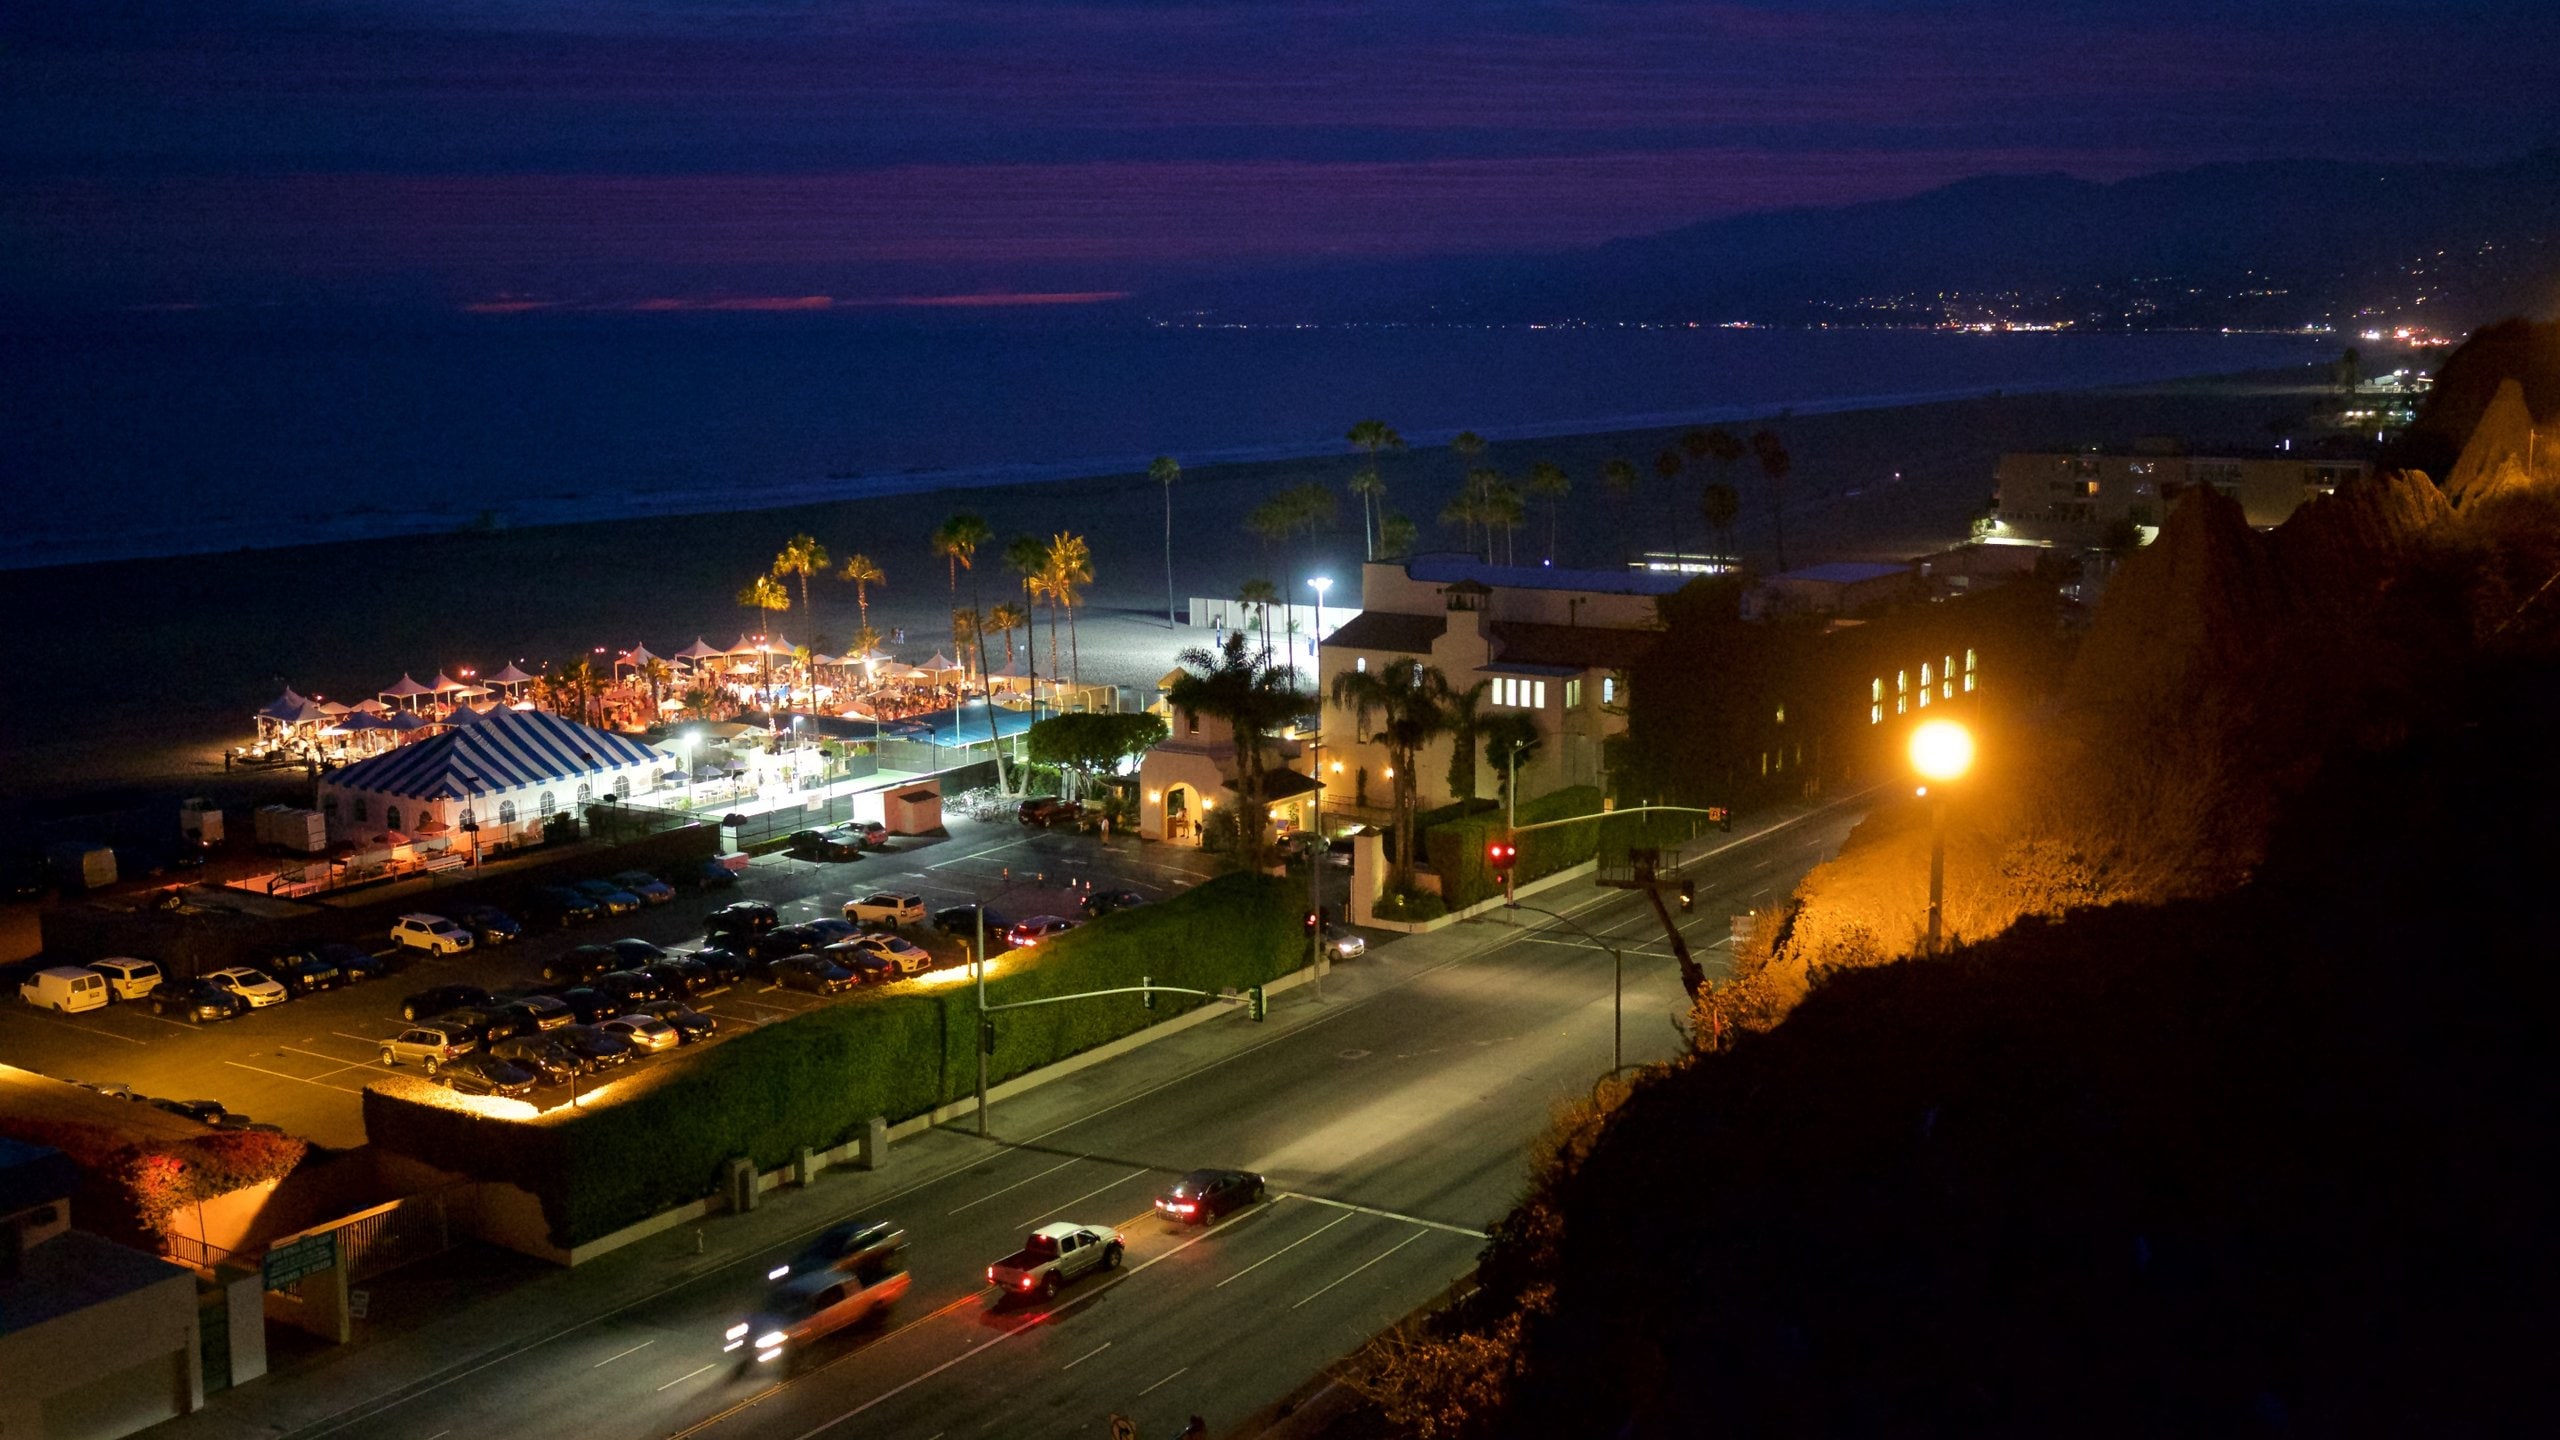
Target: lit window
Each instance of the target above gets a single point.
(548, 805)
(1782, 714)
(506, 812)
(1924, 687)
(1947, 679)
(1573, 694)
(622, 787)
(1537, 694)
(1968, 672)
(1608, 689)
(587, 792)
(1901, 692)
(468, 819)
(1360, 663)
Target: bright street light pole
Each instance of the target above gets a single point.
(1941, 751)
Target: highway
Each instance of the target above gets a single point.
(1392, 1119)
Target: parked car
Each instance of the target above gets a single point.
(645, 1033)
(785, 940)
(488, 1075)
(198, 1000)
(907, 955)
(744, 915)
(355, 963)
(632, 954)
(614, 899)
(711, 875)
(1053, 1255)
(724, 965)
(887, 907)
(681, 974)
(631, 987)
(691, 1025)
(65, 990)
(126, 977)
(486, 1024)
(587, 1006)
(535, 1013)
(1053, 812)
(441, 998)
(1037, 809)
(1106, 902)
(204, 1112)
(873, 833)
(1028, 933)
(234, 1120)
(1344, 944)
(489, 925)
(836, 845)
(307, 974)
(593, 1049)
(551, 1062)
(869, 967)
(1204, 1195)
(814, 974)
(962, 920)
(829, 929)
(432, 933)
(561, 906)
(250, 985)
(580, 964)
(650, 889)
(429, 1045)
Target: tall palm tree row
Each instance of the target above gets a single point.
(1667, 465)
(1259, 594)
(957, 540)
(1164, 470)
(1026, 557)
(1372, 436)
(1774, 463)
(1618, 474)
(766, 595)
(1548, 482)
(863, 572)
(1069, 566)
(803, 556)
(1256, 699)
(1008, 617)
(1409, 702)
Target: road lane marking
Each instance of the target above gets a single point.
(1089, 1194)
(332, 1059)
(634, 1350)
(714, 1365)
(1096, 1292)
(1169, 1379)
(359, 1039)
(1384, 1214)
(1089, 1354)
(53, 1019)
(1390, 1250)
(983, 1199)
(323, 1084)
(1283, 1250)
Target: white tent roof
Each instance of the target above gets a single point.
(509, 676)
(406, 688)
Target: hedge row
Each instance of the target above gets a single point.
(1457, 845)
(662, 1137)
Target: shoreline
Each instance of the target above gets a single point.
(147, 667)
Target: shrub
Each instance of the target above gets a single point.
(1457, 845)
(135, 1186)
(662, 1137)
(1410, 907)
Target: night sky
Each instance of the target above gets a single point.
(511, 152)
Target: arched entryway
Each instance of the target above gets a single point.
(1182, 815)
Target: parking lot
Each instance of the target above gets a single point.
(303, 1065)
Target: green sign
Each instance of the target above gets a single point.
(294, 1259)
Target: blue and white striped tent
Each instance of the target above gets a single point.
(514, 768)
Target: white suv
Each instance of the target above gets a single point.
(888, 906)
(432, 933)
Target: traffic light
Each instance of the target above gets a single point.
(1498, 855)
(1253, 1003)
(1148, 996)
(1315, 919)
(1688, 896)
(1719, 815)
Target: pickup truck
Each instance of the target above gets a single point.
(807, 1305)
(1053, 1255)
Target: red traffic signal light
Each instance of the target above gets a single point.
(1499, 854)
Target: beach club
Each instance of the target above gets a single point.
(498, 778)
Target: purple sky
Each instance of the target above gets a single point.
(624, 151)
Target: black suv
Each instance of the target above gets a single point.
(305, 974)
(631, 987)
(559, 905)
(588, 1005)
(433, 1002)
(742, 917)
(580, 965)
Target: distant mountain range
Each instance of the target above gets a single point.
(2264, 243)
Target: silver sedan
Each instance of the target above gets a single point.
(644, 1032)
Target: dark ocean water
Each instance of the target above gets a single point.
(183, 434)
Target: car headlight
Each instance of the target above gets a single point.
(770, 1340)
(739, 1332)
(776, 1273)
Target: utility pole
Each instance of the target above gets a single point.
(980, 961)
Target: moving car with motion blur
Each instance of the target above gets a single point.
(907, 955)
(1204, 1195)
(1053, 1255)
(613, 898)
(812, 974)
(803, 1308)
(1344, 944)
(488, 925)
(1028, 933)
(841, 1246)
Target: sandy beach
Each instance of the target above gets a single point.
(134, 675)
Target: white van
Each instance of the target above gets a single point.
(66, 989)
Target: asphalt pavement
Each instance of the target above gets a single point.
(1393, 1119)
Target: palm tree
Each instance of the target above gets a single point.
(1008, 617)
(806, 658)
(1504, 510)
(1774, 463)
(1548, 482)
(1726, 451)
(657, 675)
(1721, 507)
(1026, 557)
(1260, 594)
(1372, 436)
(864, 572)
(1164, 471)
(1462, 715)
(1047, 594)
(1619, 474)
(766, 594)
(1409, 700)
(1255, 698)
(1397, 534)
(1667, 465)
(803, 556)
(699, 699)
(1070, 565)
(957, 542)
(1510, 738)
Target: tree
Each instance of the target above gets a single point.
(1260, 594)
(2349, 372)
(957, 541)
(1008, 617)
(657, 675)
(1510, 738)
(1478, 502)
(1619, 474)
(1462, 716)
(1774, 463)
(1089, 745)
(1255, 698)
(699, 699)
(864, 572)
(1548, 482)
(1721, 507)
(1164, 470)
(1667, 466)
(1396, 536)
(1069, 566)
(1372, 436)
(1025, 556)
(1726, 451)
(765, 594)
(803, 556)
(1505, 511)
(1408, 700)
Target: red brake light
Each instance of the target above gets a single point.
(1026, 1282)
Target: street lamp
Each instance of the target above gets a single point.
(1941, 751)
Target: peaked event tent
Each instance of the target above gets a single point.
(511, 771)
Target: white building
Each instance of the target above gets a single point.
(506, 774)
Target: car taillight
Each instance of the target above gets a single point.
(991, 1274)
(1026, 1282)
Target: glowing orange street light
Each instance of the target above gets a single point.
(1941, 751)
